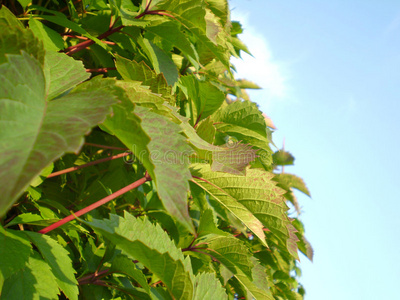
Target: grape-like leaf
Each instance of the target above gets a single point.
(288, 181)
(62, 73)
(244, 122)
(35, 281)
(192, 15)
(231, 252)
(51, 39)
(151, 245)
(14, 253)
(232, 157)
(15, 39)
(35, 132)
(162, 62)
(170, 31)
(254, 199)
(132, 70)
(204, 97)
(61, 265)
(170, 153)
(207, 287)
(283, 158)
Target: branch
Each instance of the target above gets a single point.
(88, 164)
(105, 146)
(96, 204)
(78, 47)
(100, 70)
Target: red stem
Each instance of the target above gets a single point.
(88, 164)
(100, 70)
(105, 147)
(71, 50)
(96, 204)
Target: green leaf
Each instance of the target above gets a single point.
(246, 84)
(128, 13)
(170, 153)
(161, 61)
(24, 3)
(214, 184)
(170, 31)
(151, 245)
(192, 14)
(207, 225)
(34, 132)
(61, 265)
(7, 18)
(124, 265)
(252, 289)
(207, 287)
(14, 39)
(235, 256)
(62, 20)
(35, 281)
(62, 73)
(254, 199)
(206, 130)
(14, 253)
(231, 252)
(283, 158)
(27, 218)
(231, 157)
(205, 98)
(131, 70)
(245, 122)
(288, 181)
(52, 41)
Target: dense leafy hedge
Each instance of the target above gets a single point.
(177, 192)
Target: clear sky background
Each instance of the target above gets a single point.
(331, 77)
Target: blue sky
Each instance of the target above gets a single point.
(331, 77)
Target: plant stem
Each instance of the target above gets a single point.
(78, 47)
(88, 164)
(105, 146)
(100, 70)
(96, 204)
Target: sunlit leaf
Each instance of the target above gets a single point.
(150, 245)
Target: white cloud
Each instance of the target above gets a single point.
(262, 68)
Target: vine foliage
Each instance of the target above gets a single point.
(133, 163)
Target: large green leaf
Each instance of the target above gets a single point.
(35, 132)
(35, 281)
(157, 143)
(254, 199)
(151, 245)
(169, 151)
(57, 258)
